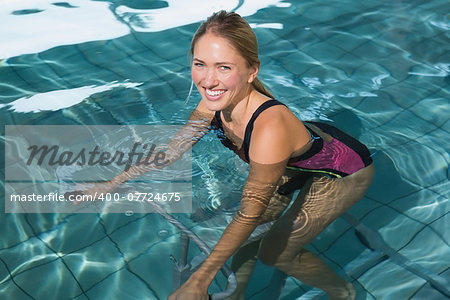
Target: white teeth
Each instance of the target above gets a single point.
(214, 93)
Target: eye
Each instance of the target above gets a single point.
(198, 65)
(224, 68)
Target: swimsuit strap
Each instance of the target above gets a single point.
(249, 128)
(217, 119)
(217, 123)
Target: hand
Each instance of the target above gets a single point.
(190, 290)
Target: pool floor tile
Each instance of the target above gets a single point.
(442, 189)
(122, 285)
(423, 206)
(93, 264)
(330, 235)
(13, 292)
(441, 225)
(341, 253)
(16, 229)
(429, 293)
(425, 171)
(381, 280)
(138, 236)
(27, 255)
(427, 249)
(156, 268)
(388, 183)
(43, 287)
(323, 51)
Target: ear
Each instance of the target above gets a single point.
(253, 73)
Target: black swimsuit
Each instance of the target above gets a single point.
(339, 157)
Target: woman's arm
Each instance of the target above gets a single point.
(270, 150)
(195, 128)
(256, 195)
(255, 198)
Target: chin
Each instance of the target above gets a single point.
(214, 105)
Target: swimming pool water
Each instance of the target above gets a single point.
(377, 69)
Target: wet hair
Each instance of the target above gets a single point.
(235, 29)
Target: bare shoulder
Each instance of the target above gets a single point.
(271, 141)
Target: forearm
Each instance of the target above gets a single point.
(195, 128)
(168, 155)
(256, 196)
(236, 233)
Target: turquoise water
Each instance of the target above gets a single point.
(379, 70)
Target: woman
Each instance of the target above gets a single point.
(332, 169)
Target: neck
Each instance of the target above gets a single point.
(237, 110)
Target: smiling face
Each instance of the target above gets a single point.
(220, 73)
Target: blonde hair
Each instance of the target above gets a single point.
(235, 29)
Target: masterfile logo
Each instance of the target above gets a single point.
(52, 168)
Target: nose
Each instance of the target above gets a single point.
(210, 78)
